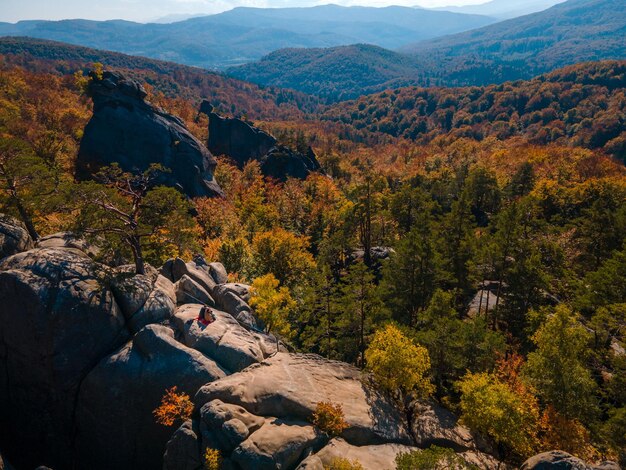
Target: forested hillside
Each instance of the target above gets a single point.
(520, 48)
(462, 252)
(334, 74)
(568, 33)
(172, 80)
(582, 105)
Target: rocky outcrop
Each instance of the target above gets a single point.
(14, 237)
(289, 386)
(58, 319)
(260, 417)
(87, 352)
(67, 240)
(236, 138)
(559, 460)
(201, 282)
(114, 420)
(225, 339)
(243, 142)
(128, 130)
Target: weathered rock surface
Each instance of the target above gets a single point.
(13, 237)
(128, 130)
(189, 291)
(224, 340)
(277, 444)
(4, 465)
(243, 142)
(434, 425)
(236, 138)
(281, 163)
(182, 452)
(67, 240)
(289, 386)
(559, 460)
(115, 424)
(58, 319)
(373, 457)
(144, 298)
(218, 272)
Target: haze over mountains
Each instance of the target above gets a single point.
(504, 9)
(246, 34)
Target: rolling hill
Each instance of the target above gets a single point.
(335, 74)
(570, 32)
(245, 34)
(582, 105)
(521, 48)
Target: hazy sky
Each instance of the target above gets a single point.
(145, 10)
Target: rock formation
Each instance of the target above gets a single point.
(560, 460)
(87, 351)
(242, 142)
(14, 237)
(128, 130)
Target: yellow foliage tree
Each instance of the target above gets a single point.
(283, 254)
(398, 364)
(340, 463)
(272, 304)
(493, 407)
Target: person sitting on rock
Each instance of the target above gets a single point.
(206, 316)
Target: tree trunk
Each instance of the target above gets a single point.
(26, 219)
(135, 245)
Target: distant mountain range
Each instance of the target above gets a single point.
(520, 48)
(246, 34)
(504, 9)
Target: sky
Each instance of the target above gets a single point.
(148, 10)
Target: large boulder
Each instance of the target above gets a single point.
(14, 237)
(559, 460)
(432, 424)
(189, 291)
(58, 319)
(127, 130)
(243, 142)
(115, 425)
(181, 452)
(236, 138)
(372, 457)
(225, 340)
(67, 240)
(289, 386)
(144, 298)
(278, 444)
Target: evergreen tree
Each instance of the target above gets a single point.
(360, 308)
(411, 275)
(557, 369)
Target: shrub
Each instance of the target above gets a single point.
(340, 463)
(212, 459)
(174, 407)
(431, 459)
(329, 418)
